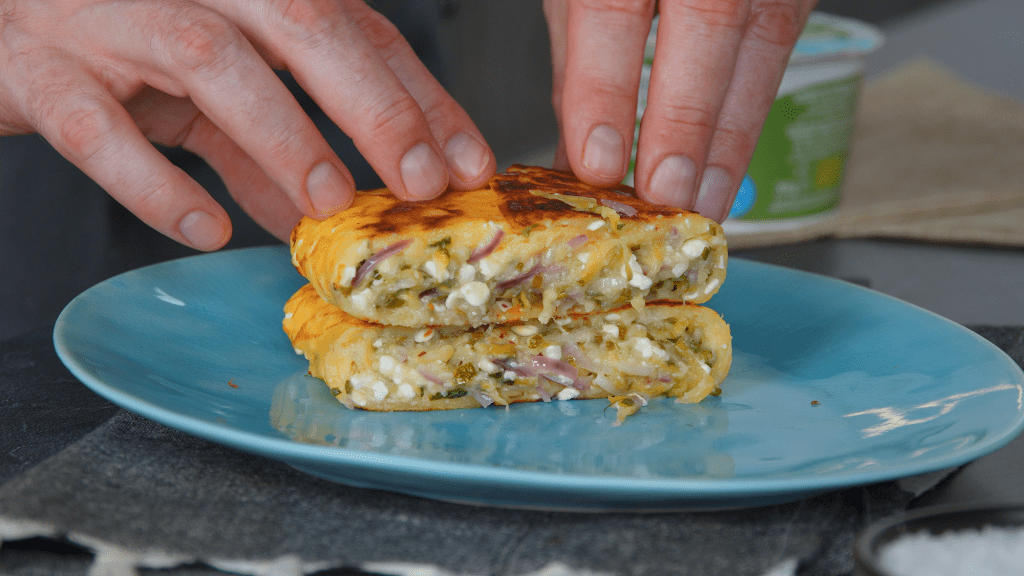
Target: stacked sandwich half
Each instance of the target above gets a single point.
(535, 288)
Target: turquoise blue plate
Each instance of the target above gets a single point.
(832, 386)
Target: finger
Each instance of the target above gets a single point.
(188, 50)
(771, 32)
(324, 47)
(172, 121)
(696, 50)
(556, 12)
(604, 57)
(470, 160)
(88, 127)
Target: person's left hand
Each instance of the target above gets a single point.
(716, 71)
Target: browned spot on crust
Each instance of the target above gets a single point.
(519, 204)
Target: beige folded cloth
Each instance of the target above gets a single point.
(932, 158)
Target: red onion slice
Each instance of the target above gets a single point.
(537, 269)
(480, 397)
(555, 370)
(581, 384)
(624, 209)
(430, 376)
(516, 280)
(514, 367)
(577, 241)
(543, 393)
(377, 258)
(582, 359)
(484, 251)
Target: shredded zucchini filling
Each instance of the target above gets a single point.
(575, 276)
(610, 355)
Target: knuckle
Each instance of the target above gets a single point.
(633, 7)
(197, 40)
(736, 138)
(81, 129)
(776, 23)
(302, 20)
(285, 144)
(76, 120)
(722, 13)
(391, 115)
(689, 117)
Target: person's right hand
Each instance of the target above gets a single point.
(100, 79)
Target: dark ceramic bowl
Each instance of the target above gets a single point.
(934, 519)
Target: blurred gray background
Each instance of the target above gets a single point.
(60, 233)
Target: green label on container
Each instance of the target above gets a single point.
(797, 166)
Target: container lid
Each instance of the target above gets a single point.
(828, 37)
(825, 37)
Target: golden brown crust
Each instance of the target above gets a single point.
(528, 215)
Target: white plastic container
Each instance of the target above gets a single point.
(796, 173)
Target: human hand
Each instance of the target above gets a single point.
(102, 79)
(717, 67)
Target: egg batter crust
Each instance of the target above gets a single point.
(534, 244)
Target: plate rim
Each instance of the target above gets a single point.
(291, 451)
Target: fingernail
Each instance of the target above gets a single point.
(713, 196)
(466, 156)
(423, 173)
(329, 191)
(203, 230)
(604, 152)
(673, 181)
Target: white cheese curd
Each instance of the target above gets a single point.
(431, 268)
(424, 335)
(380, 390)
(387, 364)
(509, 375)
(611, 330)
(467, 273)
(475, 293)
(638, 280)
(646, 349)
(359, 397)
(361, 380)
(694, 247)
(553, 351)
(711, 286)
(406, 391)
(679, 269)
(288, 315)
(488, 268)
(605, 383)
(614, 317)
(525, 329)
(297, 351)
(378, 343)
(488, 366)
(567, 394)
(596, 225)
(609, 285)
(361, 299)
(705, 367)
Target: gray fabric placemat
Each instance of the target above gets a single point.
(141, 494)
(170, 497)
